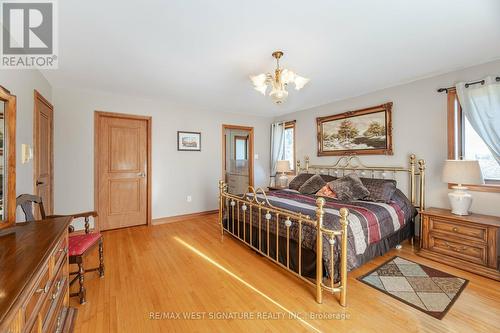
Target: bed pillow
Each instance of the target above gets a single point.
(328, 178)
(326, 192)
(312, 185)
(349, 188)
(402, 201)
(381, 190)
(298, 181)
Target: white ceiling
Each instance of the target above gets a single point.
(199, 53)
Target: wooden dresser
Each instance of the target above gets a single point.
(467, 242)
(34, 278)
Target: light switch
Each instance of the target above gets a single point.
(26, 153)
(256, 156)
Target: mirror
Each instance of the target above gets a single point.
(7, 158)
(2, 158)
(240, 148)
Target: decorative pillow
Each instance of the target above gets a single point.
(327, 192)
(381, 190)
(349, 188)
(297, 182)
(312, 185)
(328, 178)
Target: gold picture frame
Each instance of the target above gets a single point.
(362, 132)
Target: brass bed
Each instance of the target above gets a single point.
(256, 200)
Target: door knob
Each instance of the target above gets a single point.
(141, 174)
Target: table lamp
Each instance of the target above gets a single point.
(461, 172)
(283, 167)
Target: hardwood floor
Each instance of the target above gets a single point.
(184, 267)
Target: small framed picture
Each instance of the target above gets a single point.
(188, 141)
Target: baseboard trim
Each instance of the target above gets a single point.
(178, 218)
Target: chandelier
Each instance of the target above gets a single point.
(278, 82)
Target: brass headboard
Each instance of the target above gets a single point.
(353, 163)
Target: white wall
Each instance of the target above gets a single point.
(419, 126)
(176, 174)
(22, 84)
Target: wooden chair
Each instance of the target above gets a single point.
(79, 244)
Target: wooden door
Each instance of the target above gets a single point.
(43, 147)
(237, 181)
(122, 144)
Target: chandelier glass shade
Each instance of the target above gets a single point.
(278, 81)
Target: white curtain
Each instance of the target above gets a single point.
(481, 105)
(277, 144)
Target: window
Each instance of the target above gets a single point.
(464, 142)
(474, 148)
(290, 144)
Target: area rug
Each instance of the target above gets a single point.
(426, 289)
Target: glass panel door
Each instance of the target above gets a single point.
(237, 167)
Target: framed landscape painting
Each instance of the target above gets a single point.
(365, 131)
(188, 141)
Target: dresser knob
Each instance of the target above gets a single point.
(43, 290)
(58, 324)
(455, 229)
(58, 286)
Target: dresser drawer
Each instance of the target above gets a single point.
(57, 314)
(55, 291)
(463, 250)
(37, 326)
(60, 251)
(40, 290)
(467, 232)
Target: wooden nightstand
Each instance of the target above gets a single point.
(466, 242)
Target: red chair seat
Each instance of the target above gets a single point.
(78, 244)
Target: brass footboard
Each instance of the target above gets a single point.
(256, 200)
(230, 207)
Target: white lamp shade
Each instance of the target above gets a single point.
(462, 172)
(258, 80)
(262, 89)
(300, 82)
(283, 166)
(288, 76)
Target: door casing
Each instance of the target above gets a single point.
(148, 119)
(49, 207)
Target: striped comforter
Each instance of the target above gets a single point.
(369, 222)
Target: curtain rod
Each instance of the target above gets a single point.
(467, 85)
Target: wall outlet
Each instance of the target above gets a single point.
(189, 198)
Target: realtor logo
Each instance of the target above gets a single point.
(29, 38)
